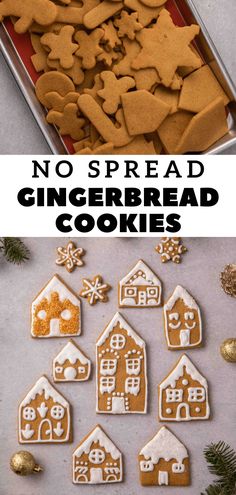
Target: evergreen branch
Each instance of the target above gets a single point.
(221, 461)
(14, 250)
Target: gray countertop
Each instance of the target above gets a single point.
(19, 133)
(24, 360)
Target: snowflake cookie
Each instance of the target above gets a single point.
(70, 256)
(95, 290)
(171, 248)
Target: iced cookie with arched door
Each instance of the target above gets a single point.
(71, 364)
(44, 415)
(183, 394)
(97, 460)
(182, 320)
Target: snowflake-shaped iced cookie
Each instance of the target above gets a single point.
(70, 256)
(95, 290)
(171, 248)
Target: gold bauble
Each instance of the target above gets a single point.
(23, 463)
(228, 350)
(228, 279)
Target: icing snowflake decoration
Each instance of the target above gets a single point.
(70, 256)
(95, 290)
(171, 248)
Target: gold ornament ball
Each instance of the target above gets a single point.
(228, 350)
(23, 463)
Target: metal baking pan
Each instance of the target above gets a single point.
(184, 9)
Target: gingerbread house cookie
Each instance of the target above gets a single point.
(140, 288)
(55, 311)
(164, 461)
(71, 364)
(183, 394)
(121, 369)
(182, 318)
(97, 460)
(44, 415)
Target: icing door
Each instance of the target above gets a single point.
(96, 475)
(185, 337)
(45, 430)
(55, 326)
(142, 297)
(183, 412)
(163, 478)
(118, 405)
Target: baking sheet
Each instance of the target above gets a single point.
(24, 360)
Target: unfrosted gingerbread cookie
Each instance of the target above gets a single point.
(71, 364)
(97, 460)
(121, 369)
(55, 311)
(164, 460)
(183, 394)
(44, 415)
(140, 288)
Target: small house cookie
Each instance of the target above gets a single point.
(121, 369)
(182, 318)
(183, 394)
(71, 365)
(140, 288)
(97, 460)
(44, 415)
(55, 311)
(164, 461)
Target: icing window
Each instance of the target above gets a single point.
(132, 385)
(178, 467)
(108, 366)
(57, 412)
(152, 291)
(117, 341)
(97, 456)
(130, 291)
(146, 466)
(196, 394)
(42, 314)
(59, 369)
(189, 315)
(66, 314)
(174, 395)
(133, 366)
(81, 369)
(174, 321)
(29, 413)
(107, 384)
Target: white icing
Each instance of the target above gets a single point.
(117, 318)
(70, 373)
(58, 430)
(42, 410)
(171, 379)
(178, 371)
(42, 386)
(27, 432)
(98, 435)
(180, 293)
(165, 446)
(72, 353)
(29, 413)
(56, 285)
(57, 412)
(140, 275)
(66, 314)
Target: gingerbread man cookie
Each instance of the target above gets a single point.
(61, 46)
(43, 12)
(113, 89)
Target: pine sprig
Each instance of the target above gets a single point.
(14, 250)
(221, 461)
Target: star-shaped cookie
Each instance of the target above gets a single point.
(95, 290)
(70, 256)
(166, 47)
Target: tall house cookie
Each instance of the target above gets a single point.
(183, 394)
(55, 311)
(44, 415)
(97, 460)
(71, 364)
(140, 288)
(182, 319)
(164, 461)
(121, 369)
